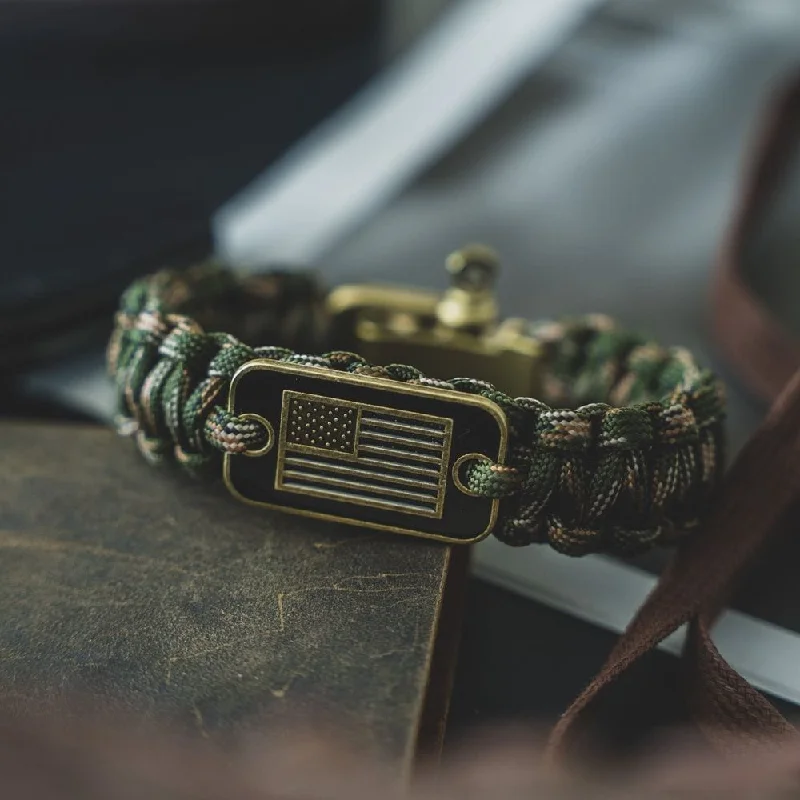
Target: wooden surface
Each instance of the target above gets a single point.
(147, 592)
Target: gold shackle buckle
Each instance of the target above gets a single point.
(452, 334)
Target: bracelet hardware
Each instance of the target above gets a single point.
(453, 333)
(367, 451)
(375, 452)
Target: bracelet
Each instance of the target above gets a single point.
(575, 433)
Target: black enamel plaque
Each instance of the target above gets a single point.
(368, 451)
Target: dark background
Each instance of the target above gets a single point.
(125, 124)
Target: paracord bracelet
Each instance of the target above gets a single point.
(620, 450)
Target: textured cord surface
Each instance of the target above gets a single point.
(623, 450)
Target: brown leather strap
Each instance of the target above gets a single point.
(761, 487)
(731, 713)
(753, 341)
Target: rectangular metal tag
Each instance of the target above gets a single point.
(365, 451)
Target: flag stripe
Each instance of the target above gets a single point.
(394, 438)
(416, 469)
(394, 505)
(330, 480)
(402, 426)
(398, 453)
(430, 482)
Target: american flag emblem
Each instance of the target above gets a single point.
(363, 454)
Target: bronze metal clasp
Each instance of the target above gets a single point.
(453, 334)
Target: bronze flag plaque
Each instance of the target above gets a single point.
(369, 451)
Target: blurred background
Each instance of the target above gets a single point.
(596, 145)
(127, 123)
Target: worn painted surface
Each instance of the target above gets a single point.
(143, 591)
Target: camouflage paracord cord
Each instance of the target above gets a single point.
(621, 453)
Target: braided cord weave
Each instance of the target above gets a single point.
(622, 452)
